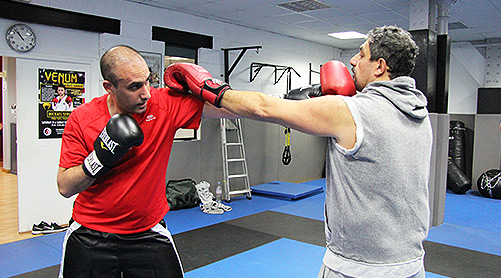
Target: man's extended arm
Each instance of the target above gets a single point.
(326, 116)
(322, 116)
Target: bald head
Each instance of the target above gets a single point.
(114, 57)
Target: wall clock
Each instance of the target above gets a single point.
(21, 38)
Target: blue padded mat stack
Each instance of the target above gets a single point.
(287, 190)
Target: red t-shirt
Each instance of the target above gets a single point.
(129, 198)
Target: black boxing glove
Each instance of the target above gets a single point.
(118, 136)
(304, 92)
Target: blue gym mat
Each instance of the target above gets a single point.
(30, 254)
(281, 258)
(287, 190)
(471, 222)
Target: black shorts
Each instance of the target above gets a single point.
(90, 253)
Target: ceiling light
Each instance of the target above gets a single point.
(304, 5)
(348, 35)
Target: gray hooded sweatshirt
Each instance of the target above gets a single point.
(376, 208)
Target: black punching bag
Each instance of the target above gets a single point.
(457, 136)
(457, 181)
(489, 184)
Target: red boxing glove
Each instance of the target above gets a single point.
(55, 100)
(198, 80)
(68, 99)
(335, 79)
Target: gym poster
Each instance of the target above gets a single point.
(60, 92)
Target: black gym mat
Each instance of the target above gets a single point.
(457, 262)
(284, 225)
(207, 245)
(48, 272)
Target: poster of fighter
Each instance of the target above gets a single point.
(60, 91)
(154, 62)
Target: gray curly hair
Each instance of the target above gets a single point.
(396, 47)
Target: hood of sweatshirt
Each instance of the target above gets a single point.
(402, 92)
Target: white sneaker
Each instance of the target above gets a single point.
(211, 208)
(224, 207)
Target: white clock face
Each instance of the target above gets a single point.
(21, 38)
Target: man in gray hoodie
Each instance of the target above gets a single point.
(378, 157)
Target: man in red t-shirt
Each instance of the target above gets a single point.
(114, 155)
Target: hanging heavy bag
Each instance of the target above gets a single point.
(182, 194)
(457, 139)
(457, 181)
(489, 184)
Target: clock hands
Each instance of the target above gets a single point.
(19, 35)
(21, 38)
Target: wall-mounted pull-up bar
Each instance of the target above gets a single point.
(314, 71)
(227, 69)
(256, 68)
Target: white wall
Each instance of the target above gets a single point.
(38, 159)
(467, 74)
(38, 198)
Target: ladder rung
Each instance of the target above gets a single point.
(234, 144)
(237, 176)
(240, 191)
(236, 160)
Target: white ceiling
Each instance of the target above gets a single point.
(482, 18)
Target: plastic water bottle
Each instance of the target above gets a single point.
(219, 193)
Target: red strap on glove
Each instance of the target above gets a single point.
(182, 77)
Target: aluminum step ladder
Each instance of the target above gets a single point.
(235, 171)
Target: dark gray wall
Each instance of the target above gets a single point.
(264, 144)
(483, 143)
(487, 145)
